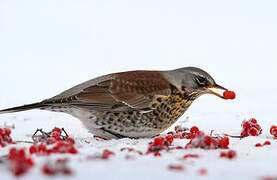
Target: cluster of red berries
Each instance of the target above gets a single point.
(273, 130)
(208, 142)
(60, 144)
(160, 143)
(184, 133)
(61, 147)
(59, 167)
(5, 137)
(51, 137)
(229, 154)
(266, 143)
(20, 163)
(193, 132)
(250, 128)
(229, 95)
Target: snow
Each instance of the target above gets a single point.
(49, 46)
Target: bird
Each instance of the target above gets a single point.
(130, 104)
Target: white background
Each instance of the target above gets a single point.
(49, 46)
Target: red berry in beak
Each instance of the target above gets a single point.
(229, 95)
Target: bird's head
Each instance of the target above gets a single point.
(194, 79)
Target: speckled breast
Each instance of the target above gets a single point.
(164, 112)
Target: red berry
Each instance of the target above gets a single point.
(208, 140)
(223, 154)
(33, 149)
(258, 145)
(55, 134)
(194, 129)
(21, 153)
(72, 150)
(20, 164)
(253, 120)
(231, 154)
(158, 141)
(48, 170)
(224, 142)
(106, 154)
(157, 153)
(253, 131)
(12, 153)
(8, 139)
(214, 143)
(42, 148)
(70, 141)
(30, 162)
(244, 133)
(169, 139)
(58, 130)
(246, 124)
(177, 136)
(229, 95)
(267, 143)
(273, 130)
(200, 133)
(7, 131)
(257, 126)
(187, 135)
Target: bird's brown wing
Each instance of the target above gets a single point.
(123, 91)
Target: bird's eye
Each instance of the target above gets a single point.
(201, 80)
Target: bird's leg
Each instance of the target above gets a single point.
(66, 135)
(103, 134)
(38, 138)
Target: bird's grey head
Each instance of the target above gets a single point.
(193, 79)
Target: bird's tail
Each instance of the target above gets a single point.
(23, 108)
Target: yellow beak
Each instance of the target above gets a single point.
(216, 87)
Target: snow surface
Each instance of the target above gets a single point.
(49, 46)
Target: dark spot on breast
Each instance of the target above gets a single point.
(154, 105)
(156, 113)
(159, 99)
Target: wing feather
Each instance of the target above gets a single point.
(121, 92)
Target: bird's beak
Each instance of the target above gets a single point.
(208, 90)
